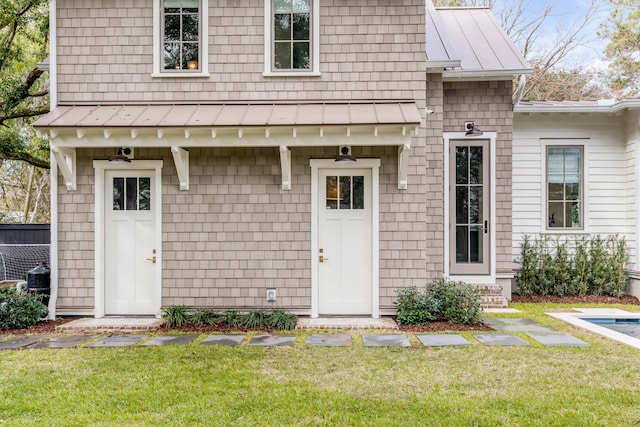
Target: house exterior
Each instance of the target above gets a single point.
(576, 171)
(228, 118)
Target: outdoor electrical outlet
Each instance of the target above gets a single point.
(271, 294)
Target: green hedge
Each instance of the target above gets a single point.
(20, 310)
(455, 302)
(583, 265)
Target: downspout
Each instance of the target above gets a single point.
(53, 168)
(522, 81)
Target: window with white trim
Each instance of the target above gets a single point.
(565, 180)
(291, 37)
(180, 34)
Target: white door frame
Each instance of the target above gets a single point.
(101, 166)
(491, 137)
(374, 166)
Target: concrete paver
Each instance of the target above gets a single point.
(501, 321)
(385, 340)
(329, 340)
(500, 339)
(64, 341)
(21, 341)
(230, 340)
(439, 340)
(118, 341)
(523, 328)
(269, 340)
(162, 340)
(558, 340)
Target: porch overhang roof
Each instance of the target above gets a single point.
(181, 126)
(249, 124)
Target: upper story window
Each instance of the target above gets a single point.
(180, 35)
(292, 37)
(564, 187)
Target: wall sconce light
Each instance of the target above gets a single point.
(345, 156)
(192, 65)
(119, 157)
(472, 129)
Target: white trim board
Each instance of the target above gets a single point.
(374, 165)
(100, 167)
(474, 279)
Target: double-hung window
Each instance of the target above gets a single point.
(180, 38)
(291, 37)
(565, 182)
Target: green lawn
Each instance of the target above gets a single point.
(303, 386)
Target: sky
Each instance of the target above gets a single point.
(564, 13)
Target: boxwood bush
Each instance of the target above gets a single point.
(452, 301)
(20, 309)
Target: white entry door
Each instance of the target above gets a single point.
(345, 242)
(130, 235)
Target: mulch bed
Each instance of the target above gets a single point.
(49, 326)
(42, 328)
(444, 326)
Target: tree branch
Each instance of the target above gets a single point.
(25, 112)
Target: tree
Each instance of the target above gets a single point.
(24, 193)
(573, 84)
(622, 29)
(23, 89)
(553, 78)
(547, 51)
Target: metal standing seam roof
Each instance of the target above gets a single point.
(472, 36)
(232, 115)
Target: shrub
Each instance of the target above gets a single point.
(459, 302)
(415, 306)
(455, 302)
(573, 266)
(20, 310)
(528, 267)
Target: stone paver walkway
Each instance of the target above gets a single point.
(385, 340)
(230, 340)
(505, 335)
(117, 341)
(441, 340)
(329, 340)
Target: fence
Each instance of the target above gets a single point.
(22, 247)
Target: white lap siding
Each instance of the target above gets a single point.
(609, 174)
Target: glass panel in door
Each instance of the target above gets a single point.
(469, 218)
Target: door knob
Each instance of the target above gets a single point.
(153, 260)
(323, 259)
